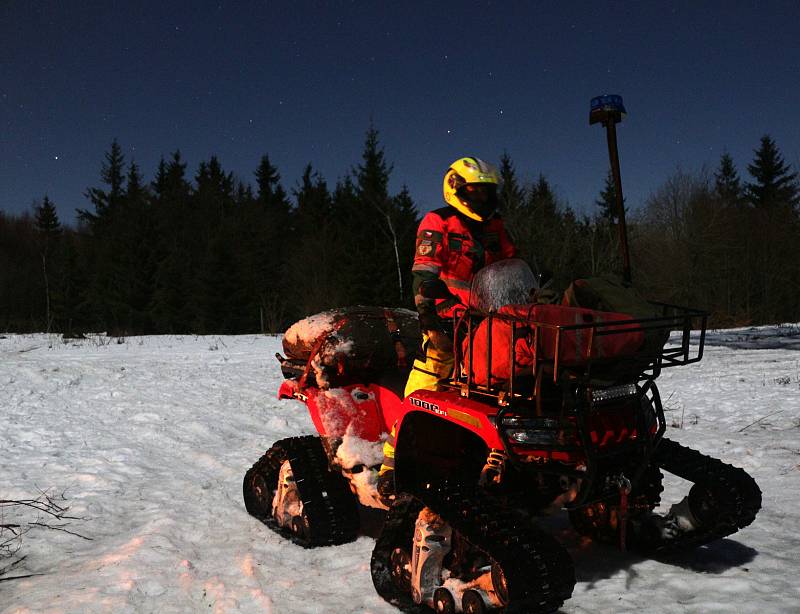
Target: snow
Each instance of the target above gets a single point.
(365, 455)
(148, 440)
(309, 329)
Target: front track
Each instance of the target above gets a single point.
(538, 571)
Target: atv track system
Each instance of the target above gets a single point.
(325, 512)
(531, 572)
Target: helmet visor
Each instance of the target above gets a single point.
(481, 198)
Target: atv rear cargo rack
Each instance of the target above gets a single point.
(660, 349)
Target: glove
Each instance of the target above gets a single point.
(440, 340)
(429, 321)
(545, 296)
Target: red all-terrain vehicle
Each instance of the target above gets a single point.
(550, 407)
(575, 425)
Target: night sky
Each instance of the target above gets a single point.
(301, 81)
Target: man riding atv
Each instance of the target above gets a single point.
(453, 244)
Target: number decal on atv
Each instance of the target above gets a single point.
(429, 406)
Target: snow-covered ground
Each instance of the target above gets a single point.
(147, 440)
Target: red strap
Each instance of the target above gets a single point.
(315, 350)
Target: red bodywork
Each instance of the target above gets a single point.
(362, 410)
(368, 411)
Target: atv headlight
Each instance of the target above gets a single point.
(535, 431)
(604, 395)
(533, 437)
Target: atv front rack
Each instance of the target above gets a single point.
(568, 353)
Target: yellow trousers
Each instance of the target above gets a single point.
(429, 371)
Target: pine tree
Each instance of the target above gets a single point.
(374, 265)
(607, 202)
(173, 304)
(406, 222)
(727, 185)
(214, 195)
(733, 246)
(534, 223)
(774, 185)
(47, 222)
(112, 173)
(268, 248)
(217, 279)
(512, 194)
(137, 253)
(102, 225)
(602, 238)
(543, 245)
(270, 192)
(125, 243)
(48, 228)
(372, 175)
(775, 195)
(314, 277)
(542, 199)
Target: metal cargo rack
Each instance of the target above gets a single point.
(594, 371)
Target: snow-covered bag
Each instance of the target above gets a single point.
(354, 342)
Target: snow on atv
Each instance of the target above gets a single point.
(576, 424)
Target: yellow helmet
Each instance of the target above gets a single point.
(470, 185)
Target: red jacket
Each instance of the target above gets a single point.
(454, 248)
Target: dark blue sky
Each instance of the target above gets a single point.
(301, 81)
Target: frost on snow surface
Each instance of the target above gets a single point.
(148, 439)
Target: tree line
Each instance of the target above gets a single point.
(705, 239)
(213, 254)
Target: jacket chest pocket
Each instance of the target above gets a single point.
(455, 243)
(465, 254)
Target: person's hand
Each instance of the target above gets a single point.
(441, 341)
(545, 296)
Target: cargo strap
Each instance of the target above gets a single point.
(316, 349)
(394, 333)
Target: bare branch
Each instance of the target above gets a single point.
(759, 420)
(12, 530)
(55, 528)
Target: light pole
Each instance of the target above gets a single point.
(609, 110)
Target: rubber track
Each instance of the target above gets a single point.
(328, 502)
(539, 571)
(737, 493)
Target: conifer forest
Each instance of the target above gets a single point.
(198, 251)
